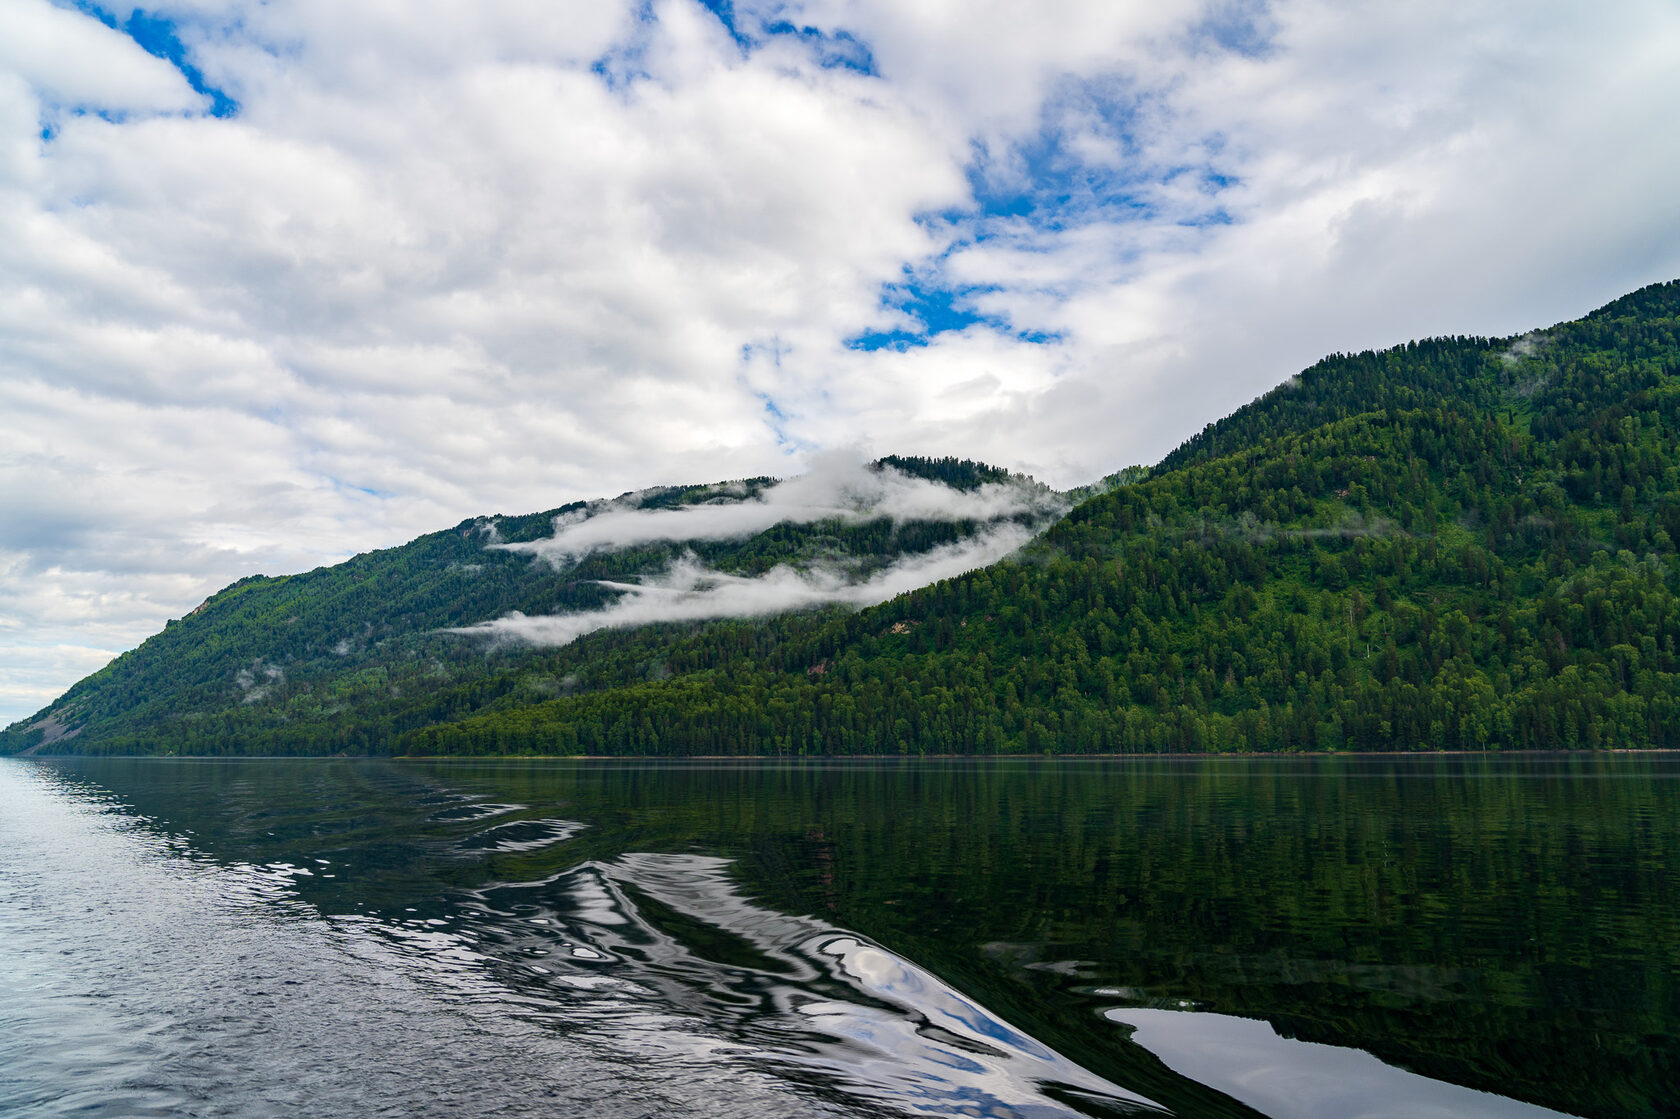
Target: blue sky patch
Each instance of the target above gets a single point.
(933, 310)
(775, 416)
(1092, 160)
(1083, 163)
(777, 419)
(724, 10)
(158, 36)
(832, 50)
(1244, 27)
(366, 491)
(621, 67)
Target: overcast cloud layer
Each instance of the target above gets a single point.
(284, 281)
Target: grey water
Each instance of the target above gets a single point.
(1312, 937)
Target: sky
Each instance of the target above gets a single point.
(285, 281)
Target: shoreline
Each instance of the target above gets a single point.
(1179, 756)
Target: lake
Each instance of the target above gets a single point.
(1313, 937)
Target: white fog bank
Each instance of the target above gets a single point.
(689, 592)
(838, 486)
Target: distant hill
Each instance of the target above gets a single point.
(350, 657)
(1460, 543)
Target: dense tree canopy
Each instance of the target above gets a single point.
(1458, 543)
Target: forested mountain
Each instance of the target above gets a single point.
(351, 656)
(1458, 543)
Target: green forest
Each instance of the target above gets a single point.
(1459, 544)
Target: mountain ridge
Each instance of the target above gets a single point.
(397, 594)
(1458, 543)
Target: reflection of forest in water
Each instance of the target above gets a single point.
(1504, 923)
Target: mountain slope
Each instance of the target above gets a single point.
(1491, 567)
(1459, 543)
(348, 656)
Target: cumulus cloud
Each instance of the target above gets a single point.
(451, 258)
(690, 592)
(78, 62)
(839, 486)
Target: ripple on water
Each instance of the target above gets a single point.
(522, 835)
(138, 981)
(138, 976)
(471, 812)
(815, 1004)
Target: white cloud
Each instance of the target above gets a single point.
(986, 66)
(78, 62)
(839, 486)
(1395, 173)
(438, 264)
(34, 675)
(690, 592)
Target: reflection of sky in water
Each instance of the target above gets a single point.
(943, 1051)
(249, 929)
(1288, 1079)
(471, 812)
(786, 992)
(522, 835)
(138, 978)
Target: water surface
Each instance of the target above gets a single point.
(1232, 937)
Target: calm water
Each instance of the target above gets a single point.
(1237, 937)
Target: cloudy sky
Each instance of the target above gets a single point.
(282, 281)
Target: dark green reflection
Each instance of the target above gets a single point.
(1504, 923)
